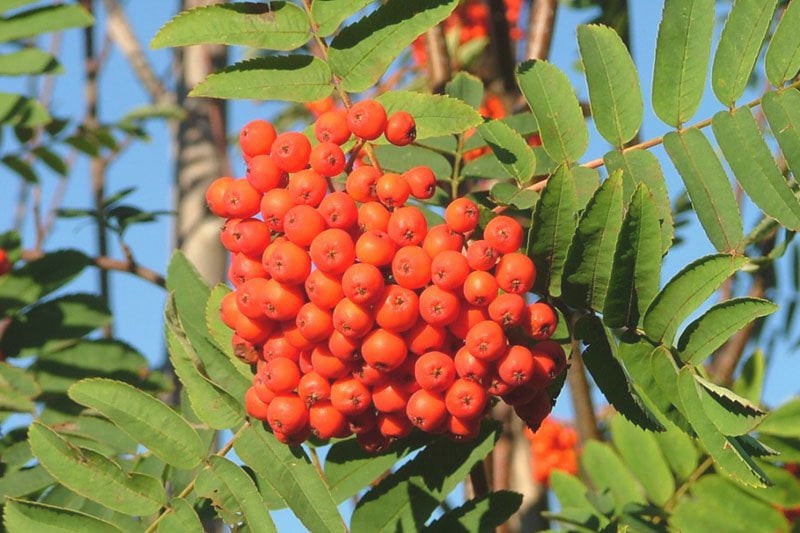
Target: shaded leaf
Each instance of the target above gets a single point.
(467, 88)
(508, 146)
(678, 450)
(682, 54)
(783, 421)
(40, 277)
(750, 382)
(18, 110)
(483, 513)
(732, 414)
(685, 292)
(783, 54)
(21, 168)
(21, 516)
(329, 14)
(24, 482)
(361, 52)
(51, 159)
(434, 114)
(401, 158)
(218, 331)
(783, 113)
(607, 471)
(506, 193)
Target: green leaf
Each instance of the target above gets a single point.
(275, 26)
(94, 476)
(552, 227)
(9, 5)
(708, 187)
(506, 193)
(218, 331)
(467, 88)
(783, 113)
(181, 518)
(233, 493)
(290, 473)
(678, 450)
(40, 277)
(508, 146)
(20, 516)
(720, 505)
(18, 110)
(640, 451)
(53, 324)
(727, 453)
(483, 513)
(401, 158)
(434, 114)
(145, 418)
(552, 99)
(524, 124)
(703, 336)
(570, 491)
(213, 405)
(587, 181)
(43, 20)
(24, 482)
(783, 421)
(29, 61)
(783, 54)
(587, 268)
(640, 166)
(732, 414)
(348, 470)
(614, 92)
(294, 78)
(682, 53)
(17, 389)
(750, 158)
(607, 471)
(636, 273)
(51, 159)
(362, 51)
(404, 499)
(686, 291)
(750, 382)
(329, 14)
(603, 362)
(21, 168)
(784, 493)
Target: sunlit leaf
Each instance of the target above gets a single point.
(783, 54)
(434, 115)
(20, 516)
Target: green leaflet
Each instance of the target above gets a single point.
(289, 472)
(607, 471)
(783, 114)
(233, 493)
(361, 52)
(274, 26)
(703, 336)
(181, 518)
(507, 193)
(434, 114)
(401, 158)
(708, 187)
(640, 451)
(615, 95)
(479, 514)
(750, 382)
(551, 230)
(18, 110)
(685, 292)
(21, 516)
(641, 166)
(94, 476)
(19, 483)
(783, 54)
(552, 99)
(682, 54)
(294, 78)
(751, 161)
(218, 331)
(144, 418)
(783, 421)
(29, 61)
(730, 413)
(510, 149)
(41, 20)
(727, 452)
(635, 275)
(587, 269)
(329, 14)
(678, 450)
(739, 45)
(467, 88)
(39, 278)
(17, 389)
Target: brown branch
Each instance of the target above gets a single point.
(585, 419)
(505, 58)
(107, 264)
(439, 67)
(540, 28)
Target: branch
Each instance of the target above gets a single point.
(540, 28)
(503, 47)
(585, 419)
(109, 264)
(439, 67)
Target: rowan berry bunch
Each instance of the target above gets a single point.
(357, 316)
(553, 447)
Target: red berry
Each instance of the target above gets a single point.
(257, 137)
(291, 151)
(401, 129)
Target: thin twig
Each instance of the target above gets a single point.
(107, 264)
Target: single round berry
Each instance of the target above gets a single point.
(256, 138)
(367, 119)
(291, 151)
(401, 129)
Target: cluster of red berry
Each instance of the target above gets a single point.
(471, 21)
(361, 319)
(553, 447)
(5, 263)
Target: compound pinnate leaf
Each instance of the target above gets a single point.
(510, 149)
(709, 188)
(614, 92)
(703, 336)
(685, 292)
(587, 268)
(739, 46)
(20, 516)
(143, 417)
(290, 473)
(233, 493)
(294, 78)
(552, 99)
(483, 513)
(43, 20)
(783, 54)
(682, 54)
(274, 26)
(435, 115)
(181, 518)
(750, 158)
(361, 52)
(636, 273)
(783, 114)
(94, 476)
